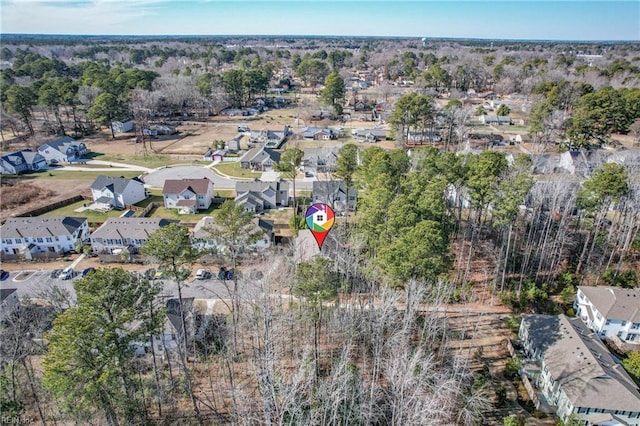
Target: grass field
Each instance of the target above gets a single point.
(233, 169)
(89, 214)
(173, 214)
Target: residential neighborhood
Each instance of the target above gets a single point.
(158, 265)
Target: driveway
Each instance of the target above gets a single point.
(157, 177)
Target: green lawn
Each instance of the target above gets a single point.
(173, 214)
(89, 214)
(153, 198)
(234, 169)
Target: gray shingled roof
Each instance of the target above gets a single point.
(260, 155)
(615, 302)
(136, 228)
(581, 363)
(259, 186)
(118, 183)
(40, 227)
(6, 292)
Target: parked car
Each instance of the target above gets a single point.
(3, 275)
(203, 274)
(55, 273)
(158, 275)
(88, 271)
(222, 273)
(67, 274)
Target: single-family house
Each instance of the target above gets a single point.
(319, 134)
(500, 120)
(610, 311)
(124, 233)
(260, 158)
(269, 138)
(117, 192)
(64, 149)
(188, 195)
(257, 196)
(24, 161)
(574, 371)
(34, 237)
(334, 193)
(369, 135)
(422, 137)
(261, 229)
(321, 160)
(122, 126)
(9, 302)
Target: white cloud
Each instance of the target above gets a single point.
(76, 16)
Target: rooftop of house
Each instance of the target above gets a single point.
(581, 364)
(26, 155)
(57, 143)
(117, 184)
(5, 293)
(259, 186)
(177, 186)
(326, 188)
(40, 227)
(207, 224)
(137, 228)
(259, 155)
(615, 302)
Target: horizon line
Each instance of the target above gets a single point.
(49, 35)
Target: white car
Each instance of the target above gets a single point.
(67, 274)
(203, 274)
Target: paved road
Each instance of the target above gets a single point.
(38, 284)
(157, 177)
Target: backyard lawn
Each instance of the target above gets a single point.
(172, 214)
(91, 215)
(233, 169)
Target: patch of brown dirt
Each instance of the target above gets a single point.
(23, 195)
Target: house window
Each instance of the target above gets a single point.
(49, 240)
(40, 240)
(608, 322)
(624, 323)
(620, 333)
(18, 240)
(635, 325)
(582, 410)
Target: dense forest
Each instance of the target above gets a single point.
(356, 336)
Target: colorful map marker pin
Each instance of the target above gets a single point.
(320, 218)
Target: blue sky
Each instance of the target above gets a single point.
(549, 20)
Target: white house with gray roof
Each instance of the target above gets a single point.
(34, 237)
(124, 233)
(24, 161)
(117, 192)
(64, 149)
(575, 373)
(610, 311)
